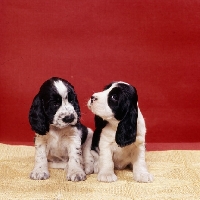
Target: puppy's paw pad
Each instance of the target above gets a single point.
(107, 177)
(39, 175)
(143, 177)
(76, 176)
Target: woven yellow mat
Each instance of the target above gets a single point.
(176, 176)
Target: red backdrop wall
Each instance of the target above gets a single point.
(153, 45)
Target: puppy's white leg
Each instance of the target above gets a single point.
(74, 169)
(140, 172)
(40, 171)
(88, 159)
(106, 165)
(96, 161)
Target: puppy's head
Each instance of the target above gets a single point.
(118, 100)
(56, 104)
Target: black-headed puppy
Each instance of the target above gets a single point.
(119, 137)
(61, 140)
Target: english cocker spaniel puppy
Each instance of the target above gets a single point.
(119, 136)
(61, 140)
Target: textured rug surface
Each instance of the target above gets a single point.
(176, 176)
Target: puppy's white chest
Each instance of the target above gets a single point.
(121, 156)
(58, 148)
(57, 144)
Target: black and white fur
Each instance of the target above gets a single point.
(119, 137)
(61, 140)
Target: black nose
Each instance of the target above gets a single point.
(93, 98)
(68, 119)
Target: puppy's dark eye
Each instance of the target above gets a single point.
(56, 104)
(114, 97)
(55, 101)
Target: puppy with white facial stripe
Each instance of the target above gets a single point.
(119, 137)
(61, 140)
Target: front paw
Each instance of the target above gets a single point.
(106, 177)
(39, 174)
(76, 176)
(143, 177)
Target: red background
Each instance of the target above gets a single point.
(153, 45)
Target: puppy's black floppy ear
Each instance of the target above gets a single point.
(127, 127)
(37, 118)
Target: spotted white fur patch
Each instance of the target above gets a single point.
(66, 109)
